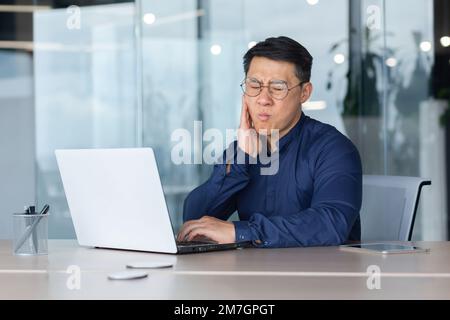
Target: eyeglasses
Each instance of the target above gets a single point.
(278, 89)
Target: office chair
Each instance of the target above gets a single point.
(389, 207)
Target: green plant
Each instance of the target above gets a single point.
(362, 97)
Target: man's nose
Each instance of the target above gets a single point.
(264, 98)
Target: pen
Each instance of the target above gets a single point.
(28, 222)
(45, 209)
(32, 210)
(31, 228)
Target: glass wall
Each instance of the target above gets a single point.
(371, 75)
(135, 74)
(192, 67)
(85, 91)
(16, 131)
(388, 111)
(415, 140)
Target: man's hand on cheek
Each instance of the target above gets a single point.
(214, 229)
(247, 135)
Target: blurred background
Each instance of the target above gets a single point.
(108, 74)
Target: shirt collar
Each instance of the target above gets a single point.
(286, 139)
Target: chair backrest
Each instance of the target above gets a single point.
(389, 207)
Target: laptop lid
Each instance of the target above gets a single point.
(116, 199)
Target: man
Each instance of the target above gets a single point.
(315, 197)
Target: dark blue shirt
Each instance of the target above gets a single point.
(313, 200)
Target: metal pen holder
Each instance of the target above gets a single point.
(30, 234)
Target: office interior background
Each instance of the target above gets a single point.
(112, 74)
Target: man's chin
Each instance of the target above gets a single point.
(264, 129)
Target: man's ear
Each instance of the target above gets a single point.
(306, 92)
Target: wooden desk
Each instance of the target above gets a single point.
(295, 273)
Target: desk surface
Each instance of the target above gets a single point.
(294, 273)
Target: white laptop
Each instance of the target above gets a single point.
(116, 200)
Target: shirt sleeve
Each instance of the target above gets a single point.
(217, 196)
(334, 208)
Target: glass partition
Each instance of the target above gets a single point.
(152, 73)
(85, 91)
(192, 67)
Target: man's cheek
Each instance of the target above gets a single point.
(253, 114)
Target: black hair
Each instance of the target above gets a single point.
(282, 49)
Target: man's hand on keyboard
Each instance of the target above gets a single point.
(212, 228)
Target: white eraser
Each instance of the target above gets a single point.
(149, 265)
(127, 275)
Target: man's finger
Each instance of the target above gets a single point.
(187, 227)
(249, 118)
(242, 120)
(201, 231)
(245, 124)
(183, 227)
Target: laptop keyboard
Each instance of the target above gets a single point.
(194, 243)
